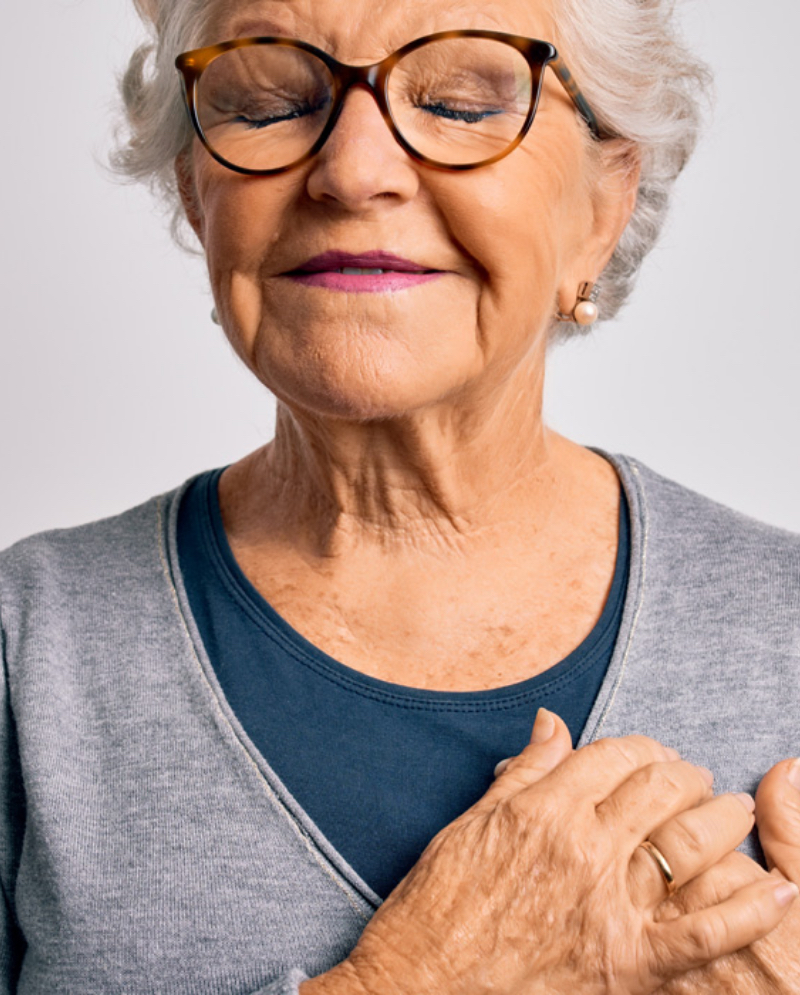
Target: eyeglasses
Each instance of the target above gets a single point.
(452, 100)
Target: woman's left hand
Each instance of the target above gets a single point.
(770, 966)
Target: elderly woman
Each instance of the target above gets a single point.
(251, 727)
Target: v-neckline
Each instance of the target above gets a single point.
(341, 872)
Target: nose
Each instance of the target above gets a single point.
(361, 165)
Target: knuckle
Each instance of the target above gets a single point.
(704, 891)
(606, 747)
(707, 939)
(633, 751)
(760, 921)
(689, 836)
(720, 882)
(522, 769)
(519, 807)
(684, 779)
(612, 812)
(663, 780)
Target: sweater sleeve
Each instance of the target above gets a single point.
(12, 816)
(12, 820)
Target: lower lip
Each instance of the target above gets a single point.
(364, 283)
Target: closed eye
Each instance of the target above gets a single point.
(254, 121)
(455, 114)
(265, 122)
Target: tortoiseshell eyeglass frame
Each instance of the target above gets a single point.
(375, 77)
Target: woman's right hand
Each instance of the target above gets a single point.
(542, 886)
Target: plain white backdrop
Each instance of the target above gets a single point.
(114, 384)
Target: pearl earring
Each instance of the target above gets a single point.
(585, 312)
(215, 316)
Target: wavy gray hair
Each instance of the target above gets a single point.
(636, 72)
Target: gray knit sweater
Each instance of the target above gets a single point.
(147, 848)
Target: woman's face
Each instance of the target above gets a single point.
(511, 242)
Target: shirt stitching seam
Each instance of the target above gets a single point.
(344, 682)
(641, 597)
(505, 703)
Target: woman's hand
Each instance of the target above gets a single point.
(541, 887)
(770, 966)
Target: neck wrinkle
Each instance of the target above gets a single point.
(427, 480)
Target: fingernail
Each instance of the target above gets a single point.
(794, 775)
(543, 727)
(708, 777)
(786, 893)
(747, 800)
(501, 766)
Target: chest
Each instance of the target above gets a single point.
(468, 630)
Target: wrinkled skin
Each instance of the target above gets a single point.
(541, 887)
(410, 446)
(770, 966)
(410, 450)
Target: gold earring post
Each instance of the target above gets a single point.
(585, 312)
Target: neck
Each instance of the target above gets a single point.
(444, 478)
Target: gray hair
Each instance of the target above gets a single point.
(631, 63)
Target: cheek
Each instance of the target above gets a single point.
(241, 224)
(510, 223)
(245, 220)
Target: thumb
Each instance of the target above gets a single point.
(778, 818)
(550, 745)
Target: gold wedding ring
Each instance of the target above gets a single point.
(662, 864)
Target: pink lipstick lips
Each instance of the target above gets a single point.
(372, 272)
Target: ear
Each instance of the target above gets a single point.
(187, 188)
(613, 180)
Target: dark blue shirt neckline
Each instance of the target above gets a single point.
(248, 598)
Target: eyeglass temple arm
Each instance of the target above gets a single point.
(568, 82)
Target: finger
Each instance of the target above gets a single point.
(691, 842)
(778, 818)
(652, 795)
(593, 772)
(696, 939)
(734, 871)
(550, 745)
(546, 725)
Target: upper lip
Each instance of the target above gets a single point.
(374, 259)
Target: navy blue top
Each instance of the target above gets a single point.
(379, 767)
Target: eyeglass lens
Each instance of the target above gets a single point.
(456, 101)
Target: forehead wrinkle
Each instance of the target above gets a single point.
(375, 28)
(252, 18)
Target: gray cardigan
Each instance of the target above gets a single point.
(147, 847)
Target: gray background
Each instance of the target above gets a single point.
(114, 384)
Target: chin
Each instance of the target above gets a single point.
(334, 393)
(363, 381)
